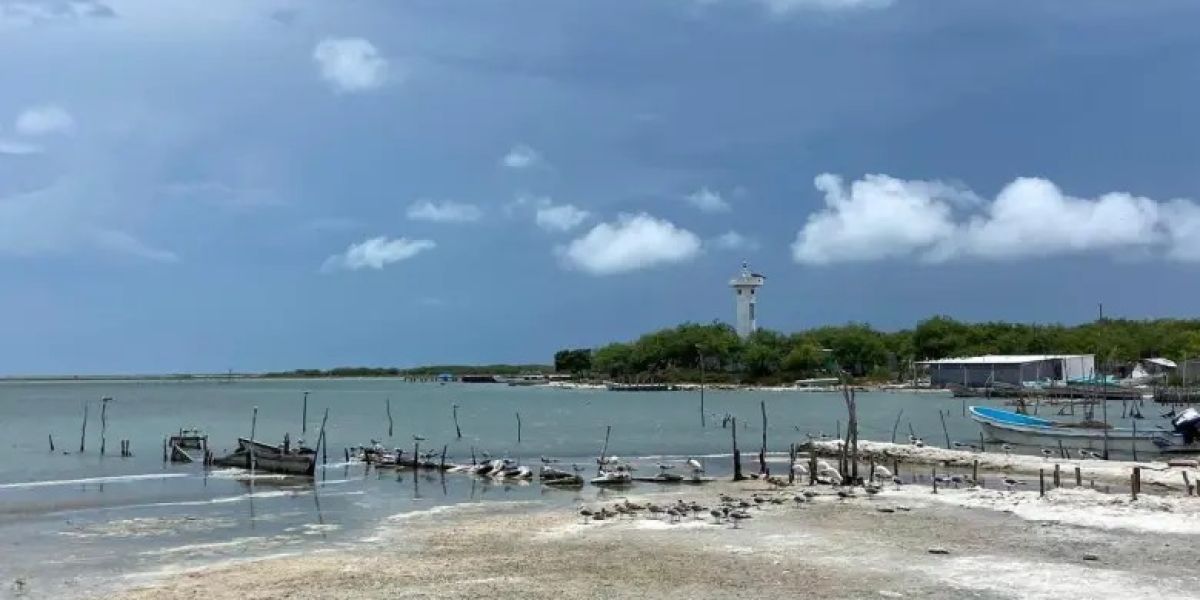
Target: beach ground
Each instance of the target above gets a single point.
(825, 548)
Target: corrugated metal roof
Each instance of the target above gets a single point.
(1002, 359)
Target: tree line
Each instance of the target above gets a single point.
(679, 353)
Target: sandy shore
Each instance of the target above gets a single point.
(826, 548)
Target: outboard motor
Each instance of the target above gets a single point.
(1187, 424)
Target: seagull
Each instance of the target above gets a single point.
(549, 461)
(586, 513)
(1006, 448)
(665, 467)
(737, 517)
(799, 499)
(1046, 454)
(695, 465)
(716, 515)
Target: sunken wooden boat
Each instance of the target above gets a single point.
(189, 439)
(272, 459)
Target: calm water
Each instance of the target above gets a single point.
(70, 522)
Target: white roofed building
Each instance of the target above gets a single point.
(1011, 369)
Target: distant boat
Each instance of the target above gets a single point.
(1026, 430)
(640, 387)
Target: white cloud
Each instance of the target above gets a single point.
(732, 240)
(444, 212)
(562, 217)
(17, 148)
(350, 64)
(521, 157)
(630, 243)
(707, 201)
(376, 253)
(880, 217)
(35, 12)
(783, 7)
(121, 242)
(44, 120)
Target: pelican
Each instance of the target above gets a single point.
(799, 469)
(882, 472)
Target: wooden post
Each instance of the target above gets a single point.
(518, 428)
(253, 429)
(164, 449)
(812, 466)
(982, 447)
(896, 425)
(1041, 483)
(1078, 476)
(933, 478)
(737, 455)
(604, 450)
(83, 432)
(443, 466)
(457, 430)
(1062, 451)
(975, 471)
(839, 429)
(1187, 485)
(792, 464)
(895, 467)
(321, 439)
(473, 463)
(416, 454)
(945, 431)
(1137, 481)
(103, 423)
(1057, 480)
(346, 454)
(871, 471)
(51, 436)
(304, 415)
(1133, 477)
(388, 406)
(1134, 442)
(762, 453)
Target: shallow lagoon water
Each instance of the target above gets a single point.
(72, 522)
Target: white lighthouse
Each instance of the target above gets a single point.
(745, 288)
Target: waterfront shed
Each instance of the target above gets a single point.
(993, 369)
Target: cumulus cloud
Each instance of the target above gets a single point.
(376, 253)
(707, 200)
(631, 243)
(18, 148)
(521, 157)
(350, 64)
(561, 217)
(732, 240)
(44, 120)
(881, 217)
(445, 211)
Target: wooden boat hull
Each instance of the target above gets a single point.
(270, 459)
(1005, 426)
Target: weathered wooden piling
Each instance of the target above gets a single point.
(812, 467)
(457, 429)
(933, 478)
(762, 452)
(1041, 483)
(388, 407)
(322, 441)
(51, 436)
(165, 456)
(945, 431)
(253, 430)
(737, 455)
(1057, 480)
(443, 463)
(473, 463)
(975, 471)
(304, 414)
(791, 464)
(518, 427)
(896, 425)
(1136, 482)
(103, 422)
(1134, 443)
(83, 431)
(982, 446)
(1078, 476)
(1062, 451)
(1187, 485)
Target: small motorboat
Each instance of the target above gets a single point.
(1016, 428)
(552, 476)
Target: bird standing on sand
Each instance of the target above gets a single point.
(1046, 454)
(1006, 448)
(586, 513)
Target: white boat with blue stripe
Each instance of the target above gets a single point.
(1025, 430)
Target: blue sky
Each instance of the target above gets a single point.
(197, 186)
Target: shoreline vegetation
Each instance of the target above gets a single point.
(692, 352)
